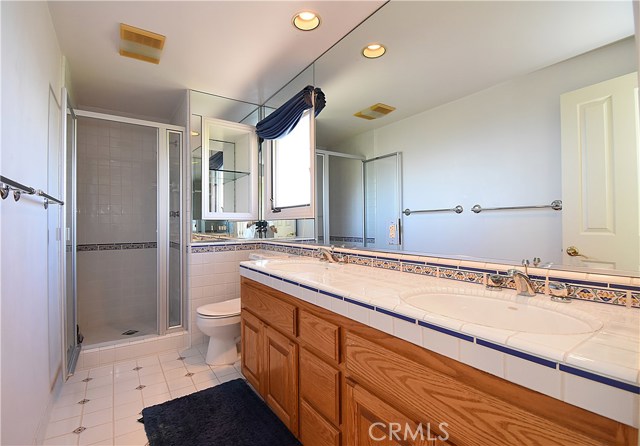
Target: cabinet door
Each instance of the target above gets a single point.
(229, 171)
(372, 422)
(252, 349)
(281, 377)
(320, 386)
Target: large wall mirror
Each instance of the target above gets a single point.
(476, 87)
(223, 205)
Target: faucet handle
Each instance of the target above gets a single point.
(559, 292)
(495, 282)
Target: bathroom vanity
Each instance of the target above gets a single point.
(336, 381)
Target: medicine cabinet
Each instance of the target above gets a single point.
(229, 170)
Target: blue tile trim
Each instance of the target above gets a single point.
(306, 287)
(446, 331)
(451, 267)
(396, 315)
(579, 282)
(633, 388)
(335, 296)
(519, 354)
(364, 256)
(389, 259)
(624, 287)
(415, 262)
(476, 270)
(361, 304)
(291, 282)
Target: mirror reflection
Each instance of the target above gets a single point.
(476, 88)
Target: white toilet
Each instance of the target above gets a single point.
(221, 322)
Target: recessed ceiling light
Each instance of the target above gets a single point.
(373, 51)
(306, 20)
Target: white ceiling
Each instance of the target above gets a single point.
(441, 51)
(243, 50)
(437, 51)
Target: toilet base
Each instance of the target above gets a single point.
(222, 348)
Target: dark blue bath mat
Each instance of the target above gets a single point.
(230, 414)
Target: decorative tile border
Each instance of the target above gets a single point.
(593, 291)
(629, 387)
(116, 246)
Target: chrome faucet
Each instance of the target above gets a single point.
(329, 256)
(524, 285)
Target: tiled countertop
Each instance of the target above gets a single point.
(597, 370)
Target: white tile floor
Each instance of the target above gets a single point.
(114, 395)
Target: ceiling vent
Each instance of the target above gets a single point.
(375, 111)
(140, 44)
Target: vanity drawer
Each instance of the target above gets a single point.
(320, 386)
(320, 335)
(315, 430)
(273, 311)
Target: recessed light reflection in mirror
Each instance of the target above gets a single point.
(373, 51)
(306, 21)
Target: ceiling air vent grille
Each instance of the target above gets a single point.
(140, 44)
(375, 111)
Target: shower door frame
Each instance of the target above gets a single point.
(162, 217)
(326, 186)
(398, 193)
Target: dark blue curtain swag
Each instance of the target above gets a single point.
(284, 119)
(215, 160)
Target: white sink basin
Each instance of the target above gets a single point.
(503, 314)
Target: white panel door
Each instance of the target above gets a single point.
(600, 188)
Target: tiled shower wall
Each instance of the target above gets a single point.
(116, 227)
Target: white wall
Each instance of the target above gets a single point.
(498, 147)
(31, 64)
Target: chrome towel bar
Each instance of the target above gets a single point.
(7, 184)
(458, 210)
(556, 205)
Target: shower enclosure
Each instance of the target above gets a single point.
(127, 280)
(359, 200)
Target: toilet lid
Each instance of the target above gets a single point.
(221, 309)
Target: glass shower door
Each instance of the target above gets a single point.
(383, 202)
(175, 229)
(72, 337)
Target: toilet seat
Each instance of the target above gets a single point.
(220, 310)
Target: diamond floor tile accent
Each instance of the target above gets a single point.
(112, 404)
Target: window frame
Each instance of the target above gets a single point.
(293, 212)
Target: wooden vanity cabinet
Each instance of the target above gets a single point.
(281, 377)
(336, 382)
(269, 354)
(373, 422)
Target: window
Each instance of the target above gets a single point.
(290, 173)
